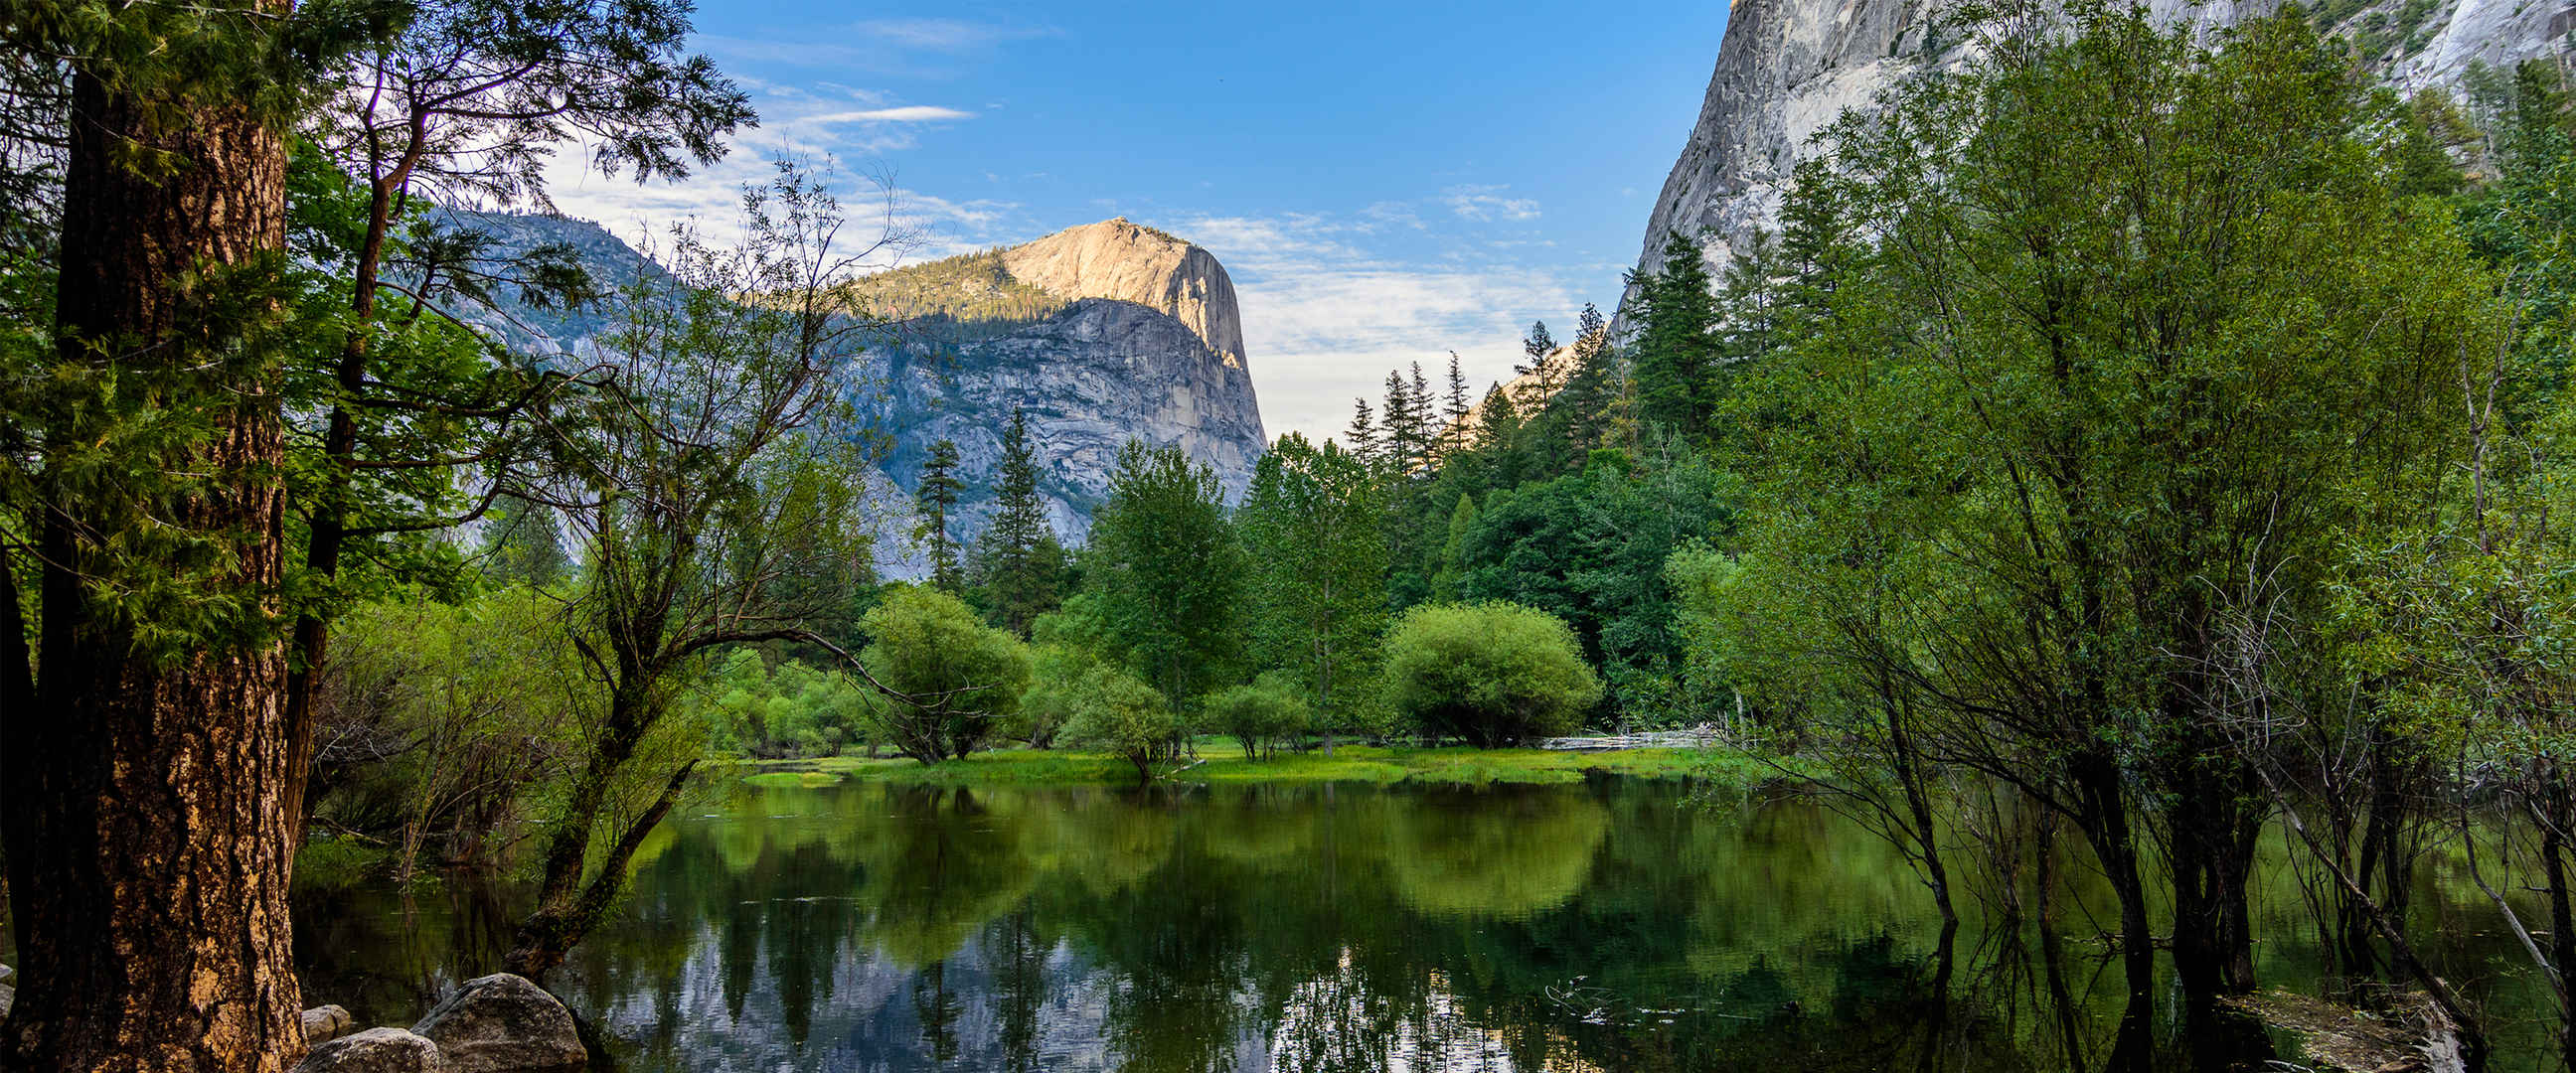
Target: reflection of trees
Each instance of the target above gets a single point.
(1501, 853)
(1326, 929)
(937, 1008)
(1017, 958)
(945, 862)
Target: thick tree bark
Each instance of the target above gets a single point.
(143, 797)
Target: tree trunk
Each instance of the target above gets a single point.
(144, 796)
(2105, 823)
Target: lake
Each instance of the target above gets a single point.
(1618, 925)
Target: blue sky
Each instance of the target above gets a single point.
(1386, 182)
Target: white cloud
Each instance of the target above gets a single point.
(945, 35)
(1324, 318)
(1487, 203)
(910, 113)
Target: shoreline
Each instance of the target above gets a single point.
(1378, 765)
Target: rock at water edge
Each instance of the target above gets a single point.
(322, 1024)
(504, 1024)
(376, 1050)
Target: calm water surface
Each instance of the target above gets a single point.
(1613, 925)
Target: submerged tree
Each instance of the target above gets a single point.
(2121, 383)
(461, 101)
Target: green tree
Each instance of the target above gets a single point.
(1590, 548)
(721, 458)
(1260, 715)
(1455, 437)
(522, 544)
(1452, 573)
(934, 498)
(1492, 674)
(1116, 711)
(149, 837)
(1405, 426)
(1019, 565)
(958, 680)
(1363, 432)
(1166, 572)
(2057, 389)
(459, 101)
(1676, 349)
(1313, 527)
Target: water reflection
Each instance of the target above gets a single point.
(1605, 926)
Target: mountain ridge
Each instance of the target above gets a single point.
(1118, 331)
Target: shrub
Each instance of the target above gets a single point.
(1115, 711)
(1493, 674)
(1260, 715)
(1055, 685)
(960, 677)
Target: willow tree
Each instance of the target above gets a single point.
(711, 480)
(459, 101)
(2122, 319)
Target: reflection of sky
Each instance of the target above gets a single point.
(871, 1022)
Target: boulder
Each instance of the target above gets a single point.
(504, 1024)
(8, 998)
(376, 1050)
(322, 1024)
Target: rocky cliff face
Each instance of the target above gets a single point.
(1126, 262)
(1101, 334)
(1789, 67)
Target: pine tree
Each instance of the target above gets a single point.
(1677, 353)
(1449, 582)
(1456, 433)
(1019, 562)
(1402, 421)
(934, 499)
(1363, 433)
(1538, 345)
(1590, 325)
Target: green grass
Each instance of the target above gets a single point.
(1223, 762)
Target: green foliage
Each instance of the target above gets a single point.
(1311, 524)
(443, 720)
(1166, 572)
(1260, 716)
(523, 545)
(2047, 422)
(1055, 680)
(1676, 350)
(781, 710)
(934, 497)
(959, 679)
(1590, 548)
(1119, 713)
(1020, 569)
(1493, 674)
